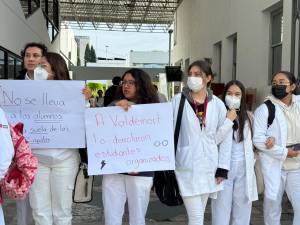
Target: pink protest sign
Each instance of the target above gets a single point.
(139, 140)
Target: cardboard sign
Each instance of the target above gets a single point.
(52, 111)
(141, 139)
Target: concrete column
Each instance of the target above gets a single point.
(287, 32)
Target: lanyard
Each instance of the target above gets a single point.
(201, 115)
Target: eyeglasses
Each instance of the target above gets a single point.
(130, 83)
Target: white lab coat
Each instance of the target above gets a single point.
(271, 159)
(198, 155)
(251, 185)
(6, 151)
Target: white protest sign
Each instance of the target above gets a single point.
(52, 111)
(141, 139)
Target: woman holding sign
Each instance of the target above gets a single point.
(136, 88)
(201, 164)
(51, 193)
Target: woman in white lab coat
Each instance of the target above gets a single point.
(281, 163)
(6, 153)
(234, 203)
(201, 164)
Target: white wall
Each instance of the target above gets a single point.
(16, 30)
(107, 73)
(82, 42)
(148, 57)
(68, 43)
(108, 63)
(203, 23)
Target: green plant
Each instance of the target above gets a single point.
(95, 87)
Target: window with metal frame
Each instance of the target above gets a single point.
(11, 67)
(10, 64)
(276, 41)
(50, 9)
(2, 64)
(295, 48)
(51, 12)
(29, 6)
(234, 56)
(217, 60)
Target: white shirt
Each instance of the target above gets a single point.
(51, 156)
(292, 116)
(27, 77)
(237, 152)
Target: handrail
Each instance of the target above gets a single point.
(69, 60)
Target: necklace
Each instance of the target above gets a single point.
(201, 114)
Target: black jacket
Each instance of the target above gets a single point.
(22, 75)
(110, 95)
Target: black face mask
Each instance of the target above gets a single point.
(279, 91)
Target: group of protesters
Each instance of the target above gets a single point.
(218, 145)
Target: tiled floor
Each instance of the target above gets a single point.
(158, 214)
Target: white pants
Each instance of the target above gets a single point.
(195, 207)
(290, 182)
(24, 212)
(116, 188)
(232, 202)
(51, 192)
(1, 216)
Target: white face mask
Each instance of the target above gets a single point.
(195, 83)
(40, 73)
(232, 102)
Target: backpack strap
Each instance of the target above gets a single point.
(178, 121)
(271, 109)
(83, 155)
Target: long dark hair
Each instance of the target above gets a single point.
(292, 79)
(243, 114)
(145, 92)
(58, 66)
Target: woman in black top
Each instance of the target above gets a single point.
(136, 88)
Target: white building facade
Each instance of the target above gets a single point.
(109, 63)
(244, 40)
(20, 25)
(148, 59)
(68, 45)
(82, 41)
